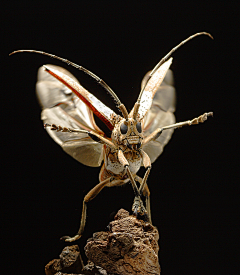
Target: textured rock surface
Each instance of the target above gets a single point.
(130, 247)
(70, 262)
(92, 269)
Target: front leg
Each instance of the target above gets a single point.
(154, 135)
(139, 210)
(125, 164)
(138, 207)
(93, 135)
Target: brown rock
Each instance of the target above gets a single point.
(70, 262)
(130, 246)
(92, 269)
(53, 267)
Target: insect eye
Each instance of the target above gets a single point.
(124, 128)
(139, 127)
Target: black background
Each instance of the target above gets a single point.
(194, 184)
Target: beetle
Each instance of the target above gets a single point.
(137, 138)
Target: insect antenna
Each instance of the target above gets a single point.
(163, 60)
(119, 104)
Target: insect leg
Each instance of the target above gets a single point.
(147, 164)
(139, 210)
(138, 207)
(146, 194)
(93, 135)
(154, 135)
(196, 120)
(58, 128)
(90, 195)
(98, 138)
(125, 163)
(144, 181)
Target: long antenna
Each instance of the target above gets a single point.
(166, 57)
(81, 68)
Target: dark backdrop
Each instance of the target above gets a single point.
(194, 184)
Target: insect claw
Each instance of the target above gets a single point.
(139, 210)
(144, 217)
(69, 239)
(63, 238)
(210, 114)
(141, 216)
(135, 213)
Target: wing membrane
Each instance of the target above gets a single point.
(107, 115)
(62, 107)
(160, 114)
(151, 89)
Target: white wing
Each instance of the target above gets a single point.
(152, 88)
(62, 107)
(160, 114)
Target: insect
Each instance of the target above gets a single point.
(137, 138)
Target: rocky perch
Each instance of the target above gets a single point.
(129, 247)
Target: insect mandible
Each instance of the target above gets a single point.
(137, 137)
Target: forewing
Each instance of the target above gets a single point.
(160, 114)
(151, 89)
(62, 107)
(107, 115)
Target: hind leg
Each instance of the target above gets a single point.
(90, 195)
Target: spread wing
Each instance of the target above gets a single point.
(160, 114)
(151, 88)
(61, 107)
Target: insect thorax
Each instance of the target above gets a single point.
(113, 165)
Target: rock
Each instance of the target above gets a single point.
(70, 262)
(91, 269)
(53, 267)
(130, 247)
